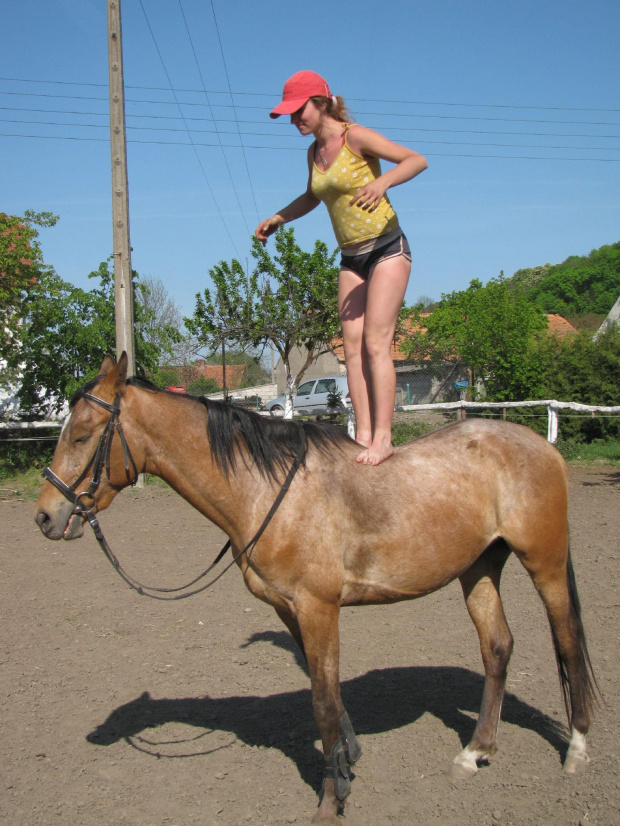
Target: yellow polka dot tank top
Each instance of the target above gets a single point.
(338, 184)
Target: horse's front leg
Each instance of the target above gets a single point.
(293, 626)
(318, 623)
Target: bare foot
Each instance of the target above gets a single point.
(365, 440)
(378, 452)
(363, 456)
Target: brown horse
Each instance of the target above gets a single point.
(455, 503)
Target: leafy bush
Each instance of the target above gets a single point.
(166, 377)
(583, 370)
(21, 455)
(201, 386)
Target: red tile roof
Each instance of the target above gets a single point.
(559, 326)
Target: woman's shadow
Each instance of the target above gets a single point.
(378, 701)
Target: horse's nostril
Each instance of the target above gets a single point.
(42, 518)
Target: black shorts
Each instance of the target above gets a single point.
(364, 263)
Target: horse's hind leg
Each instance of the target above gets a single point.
(481, 590)
(555, 582)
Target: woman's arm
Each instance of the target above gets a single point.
(367, 142)
(296, 209)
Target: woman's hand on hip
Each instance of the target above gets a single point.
(369, 196)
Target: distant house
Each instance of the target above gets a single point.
(559, 326)
(234, 373)
(189, 373)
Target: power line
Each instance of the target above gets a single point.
(236, 132)
(368, 100)
(286, 125)
(247, 168)
(219, 123)
(304, 149)
(219, 211)
(178, 103)
(191, 42)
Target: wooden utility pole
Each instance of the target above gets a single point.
(123, 287)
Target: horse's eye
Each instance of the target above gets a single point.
(81, 439)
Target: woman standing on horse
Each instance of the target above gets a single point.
(345, 173)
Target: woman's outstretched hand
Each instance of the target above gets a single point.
(267, 228)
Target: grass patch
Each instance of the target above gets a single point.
(21, 465)
(406, 431)
(22, 484)
(597, 452)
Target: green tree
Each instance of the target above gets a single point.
(290, 299)
(64, 335)
(160, 320)
(580, 369)
(493, 330)
(21, 267)
(581, 285)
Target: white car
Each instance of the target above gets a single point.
(313, 396)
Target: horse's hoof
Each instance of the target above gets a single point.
(576, 763)
(458, 771)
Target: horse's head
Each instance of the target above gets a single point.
(75, 460)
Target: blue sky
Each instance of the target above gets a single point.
(500, 97)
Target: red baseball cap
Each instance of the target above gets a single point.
(298, 89)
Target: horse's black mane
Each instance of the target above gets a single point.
(271, 444)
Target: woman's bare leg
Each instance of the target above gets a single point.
(384, 298)
(352, 306)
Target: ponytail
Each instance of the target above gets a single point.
(335, 107)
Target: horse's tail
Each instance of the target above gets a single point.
(586, 687)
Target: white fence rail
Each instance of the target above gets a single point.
(553, 408)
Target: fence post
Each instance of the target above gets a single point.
(552, 427)
(351, 423)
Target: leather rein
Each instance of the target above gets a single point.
(101, 459)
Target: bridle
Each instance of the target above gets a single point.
(101, 459)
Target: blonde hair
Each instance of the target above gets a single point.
(335, 107)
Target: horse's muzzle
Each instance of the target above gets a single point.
(63, 525)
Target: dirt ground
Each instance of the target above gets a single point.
(121, 710)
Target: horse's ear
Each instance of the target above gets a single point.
(121, 379)
(114, 374)
(106, 365)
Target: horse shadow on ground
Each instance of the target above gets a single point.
(379, 701)
(611, 478)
